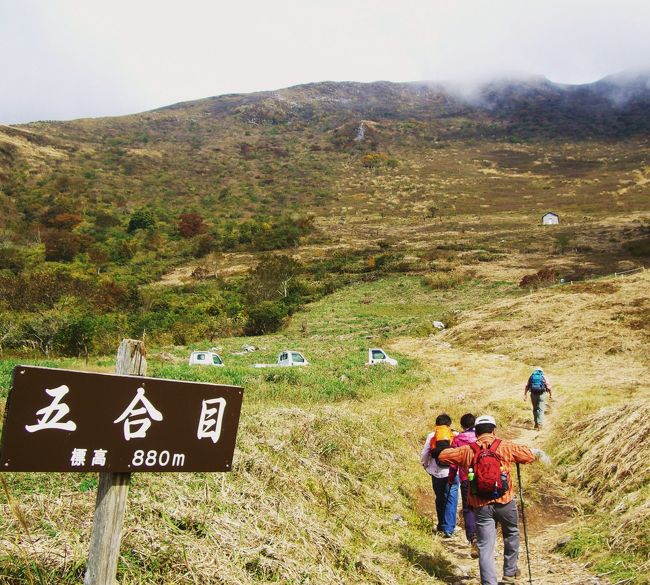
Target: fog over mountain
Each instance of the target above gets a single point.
(73, 59)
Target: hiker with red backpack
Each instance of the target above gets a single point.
(487, 462)
(538, 386)
(445, 490)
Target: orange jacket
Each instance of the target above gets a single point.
(509, 452)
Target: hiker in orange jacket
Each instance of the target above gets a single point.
(488, 510)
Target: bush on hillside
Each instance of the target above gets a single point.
(190, 225)
(374, 160)
(141, 219)
(274, 278)
(11, 258)
(444, 280)
(61, 245)
(265, 317)
(543, 277)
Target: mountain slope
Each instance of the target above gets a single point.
(385, 176)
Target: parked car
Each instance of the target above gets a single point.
(286, 358)
(205, 358)
(379, 356)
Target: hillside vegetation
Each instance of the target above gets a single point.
(347, 179)
(330, 218)
(327, 485)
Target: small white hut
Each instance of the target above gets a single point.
(550, 218)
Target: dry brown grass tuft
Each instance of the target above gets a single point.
(607, 455)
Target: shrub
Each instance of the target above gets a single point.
(273, 278)
(374, 160)
(141, 219)
(204, 245)
(265, 317)
(190, 225)
(61, 245)
(11, 258)
(543, 277)
(66, 221)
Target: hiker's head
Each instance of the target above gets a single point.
(443, 419)
(484, 424)
(467, 421)
(538, 369)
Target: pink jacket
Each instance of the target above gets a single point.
(464, 438)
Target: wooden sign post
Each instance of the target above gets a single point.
(64, 420)
(113, 490)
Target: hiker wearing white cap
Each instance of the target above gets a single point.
(538, 386)
(488, 462)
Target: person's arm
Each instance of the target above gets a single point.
(527, 388)
(426, 452)
(457, 456)
(522, 454)
(548, 387)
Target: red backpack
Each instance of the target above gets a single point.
(488, 477)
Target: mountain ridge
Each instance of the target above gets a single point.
(619, 88)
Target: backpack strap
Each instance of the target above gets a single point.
(476, 449)
(494, 445)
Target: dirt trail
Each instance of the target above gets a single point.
(501, 380)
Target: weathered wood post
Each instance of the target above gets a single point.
(113, 490)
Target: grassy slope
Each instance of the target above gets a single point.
(592, 338)
(320, 489)
(326, 484)
(306, 502)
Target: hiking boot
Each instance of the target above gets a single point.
(507, 579)
(473, 549)
(447, 535)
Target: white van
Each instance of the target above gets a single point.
(286, 359)
(292, 358)
(205, 358)
(379, 356)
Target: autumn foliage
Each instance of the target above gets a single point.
(543, 277)
(190, 225)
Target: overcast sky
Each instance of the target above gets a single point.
(63, 59)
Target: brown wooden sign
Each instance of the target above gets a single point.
(63, 420)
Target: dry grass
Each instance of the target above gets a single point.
(589, 328)
(607, 455)
(315, 497)
(592, 341)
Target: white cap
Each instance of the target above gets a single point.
(537, 368)
(485, 419)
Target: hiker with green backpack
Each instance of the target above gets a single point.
(538, 386)
(488, 462)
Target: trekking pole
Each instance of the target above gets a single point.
(523, 519)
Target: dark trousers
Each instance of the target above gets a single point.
(468, 512)
(539, 404)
